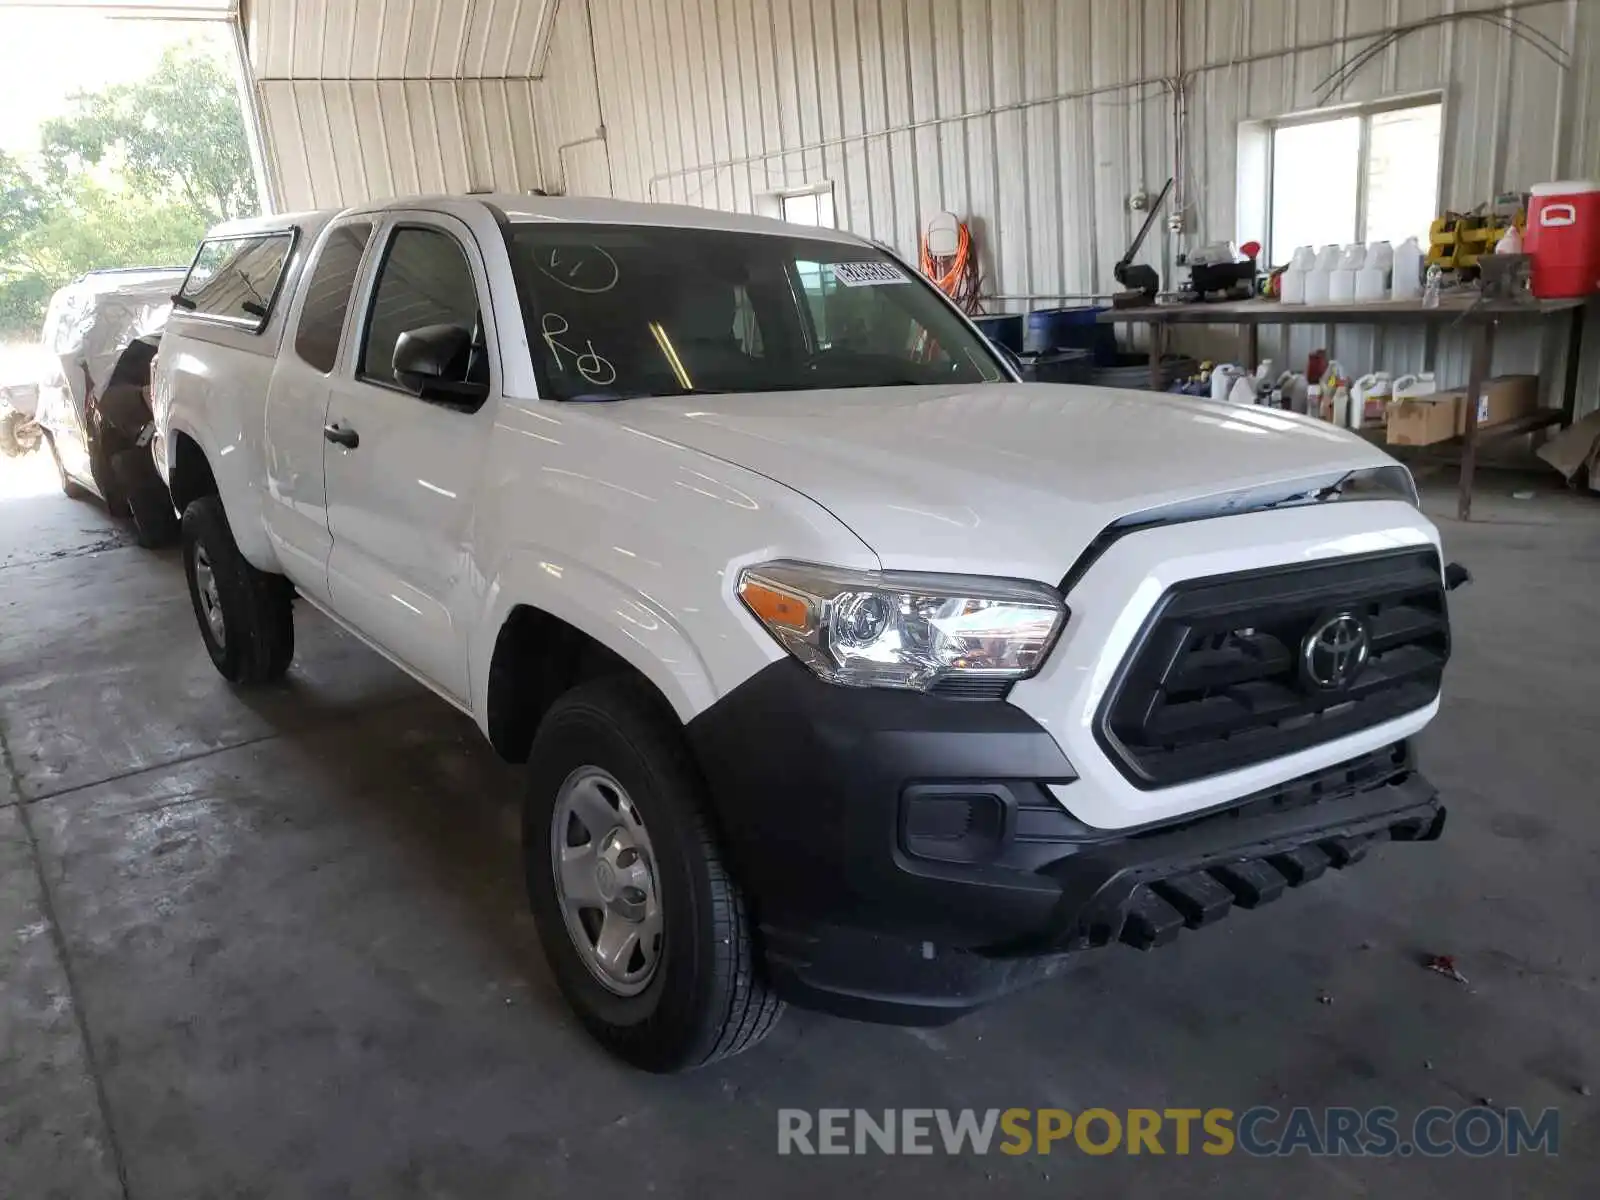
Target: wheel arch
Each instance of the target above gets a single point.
(195, 468)
(538, 642)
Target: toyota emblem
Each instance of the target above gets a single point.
(1335, 651)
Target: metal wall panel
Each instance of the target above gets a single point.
(726, 103)
(337, 142)
(362, 99)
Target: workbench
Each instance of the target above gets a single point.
(1481, 317)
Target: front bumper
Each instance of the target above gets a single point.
(907, 862)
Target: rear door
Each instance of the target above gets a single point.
(297, 405)
(402, 472)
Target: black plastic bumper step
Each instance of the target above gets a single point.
(1251, 883)
(1343, 851)
(1200, 898)
(1151, 921)
(1300, 865)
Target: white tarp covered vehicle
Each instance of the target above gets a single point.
(99, 337)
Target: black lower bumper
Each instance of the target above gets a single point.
(907, 862)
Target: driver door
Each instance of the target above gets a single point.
(402, 472)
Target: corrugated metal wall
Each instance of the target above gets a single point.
(370, 98)
(1032, 119)
(1035, 119)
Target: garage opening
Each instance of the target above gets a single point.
(124, 137)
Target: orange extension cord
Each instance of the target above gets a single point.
(955, 275)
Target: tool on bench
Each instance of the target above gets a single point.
(1141, 281)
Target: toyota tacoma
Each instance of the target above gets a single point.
(848, 670)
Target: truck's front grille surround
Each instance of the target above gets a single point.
(1216, 681)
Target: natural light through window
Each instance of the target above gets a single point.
(808, 208)
(1354, 176)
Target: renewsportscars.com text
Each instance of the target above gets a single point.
(1260, 1131)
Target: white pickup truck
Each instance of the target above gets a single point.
(847, 669)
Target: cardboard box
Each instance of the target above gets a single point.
(1426, 420)
(1423, 420)
(1503, 398)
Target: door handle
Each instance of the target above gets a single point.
(341, 435)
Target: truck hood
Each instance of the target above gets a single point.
(1017, 477)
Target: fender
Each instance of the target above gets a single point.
(230, 457)
(618, 616)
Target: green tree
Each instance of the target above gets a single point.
(132, 176)
(177, 132)
(23, 200)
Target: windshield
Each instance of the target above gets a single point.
(617, 311)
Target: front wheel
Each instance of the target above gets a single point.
(246, 616)
(648, 937)
(155, 521)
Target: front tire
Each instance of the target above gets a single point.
(155, 521)
(647, 936)
(246, 616)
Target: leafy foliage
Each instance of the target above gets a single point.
(132, 176)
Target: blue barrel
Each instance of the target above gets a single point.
(1076, 328)
(1003, 329)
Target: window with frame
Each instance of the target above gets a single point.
(425, 279)
(327, 302)
(1367, 173)
(814, 206)
(236, 279)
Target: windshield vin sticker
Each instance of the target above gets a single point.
(867, 274)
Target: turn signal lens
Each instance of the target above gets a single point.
(776, 608)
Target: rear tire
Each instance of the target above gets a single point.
(705, 999)
(246, 616)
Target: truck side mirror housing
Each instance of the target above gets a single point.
(431, 362)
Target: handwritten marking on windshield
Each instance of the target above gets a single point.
(596, 369)
(587, 269)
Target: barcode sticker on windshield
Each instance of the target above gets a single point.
(867, 274)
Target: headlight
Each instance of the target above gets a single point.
(900, 630)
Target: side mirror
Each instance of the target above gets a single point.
(431, 362)
(1011, 357)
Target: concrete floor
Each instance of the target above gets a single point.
(274, 943)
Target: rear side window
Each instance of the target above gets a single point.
(235, 279)
(328, 295)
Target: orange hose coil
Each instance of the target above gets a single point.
(955, 275)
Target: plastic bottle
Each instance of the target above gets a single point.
(1222, 377)
(1341, 407)
(1342, 279)
(1370, 395)
(1372, 281)
(1292, 287)
(1317, 277)
(1430, 293)
(1407, 270)
(1422, 384)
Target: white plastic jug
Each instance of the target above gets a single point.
(1408, 258)
(1292, 286)
(1317, 277)
(1420, 384)
(1372, 281)
(1223, 376)
(1342, 279)
(1371, 393)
